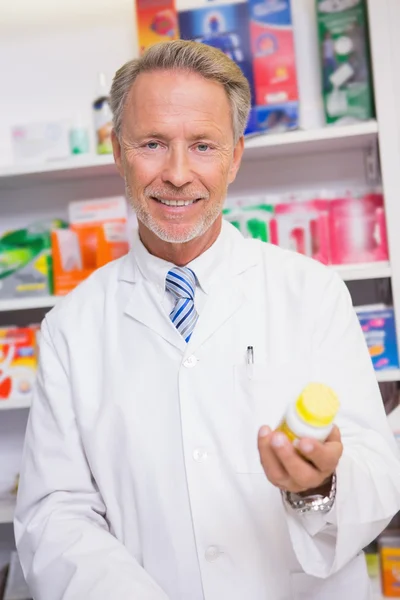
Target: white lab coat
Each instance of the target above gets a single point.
(141, 478)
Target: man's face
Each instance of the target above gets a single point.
(176, 153)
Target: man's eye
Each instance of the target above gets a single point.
(152, 145)
(203, 147)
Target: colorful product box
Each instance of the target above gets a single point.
(389, 550)
(253, 220)
(274, 60)
(358, 230)
(26, 266)
(303, 227)
(344, 52)
(97, 235)
(40, 142)
(18, 363)
(257, 35)
(156, 22)
(378, 325)
(222, 25)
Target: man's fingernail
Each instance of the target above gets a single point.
(264, 431)
(306, 447)
(278, 440)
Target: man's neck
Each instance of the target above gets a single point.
(179, 254)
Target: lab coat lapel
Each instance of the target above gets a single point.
(145, 306)
(228, 294)
(220, 307)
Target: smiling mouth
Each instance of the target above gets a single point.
(176, 202)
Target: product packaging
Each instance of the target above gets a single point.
(102, 115)
(344, 51)
(358, 230)
(223, 25)
(79, 137)
(378, 325)
(40, 142)
(256, 34)
(303, 227)
(156, 22)
(274, 65)
(97, 235)
(312, 414)
(389, 552)
(18, 362)
(26, 266)
(252, 220)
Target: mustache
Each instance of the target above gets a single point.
(175, 193)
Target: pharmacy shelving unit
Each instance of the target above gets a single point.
(346, 156)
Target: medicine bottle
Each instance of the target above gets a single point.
(312, 414)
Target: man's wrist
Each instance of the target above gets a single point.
(312, 503)
(323, 490)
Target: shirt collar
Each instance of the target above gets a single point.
(208, 267)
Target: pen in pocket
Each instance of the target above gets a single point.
(250, 361)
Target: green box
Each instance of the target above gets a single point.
(26, 264)
(345, 60)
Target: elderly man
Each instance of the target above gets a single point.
(151, 469)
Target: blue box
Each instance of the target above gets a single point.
(379, 327)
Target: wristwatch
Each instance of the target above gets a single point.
(314, 503)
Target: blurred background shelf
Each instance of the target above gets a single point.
(389, 375)
(361, 271)
(9, 305)
(315, 141)
(12, 404)
(7, 508)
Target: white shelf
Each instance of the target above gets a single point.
(313, 141)
(389, 375)
(12, 404)
(375, 270)
(27, 303)
(7, 509)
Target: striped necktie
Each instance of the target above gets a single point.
(181, 282)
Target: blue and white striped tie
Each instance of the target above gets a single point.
(181, 282)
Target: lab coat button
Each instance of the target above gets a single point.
(212, 553)
(190, 362)
(200, 455)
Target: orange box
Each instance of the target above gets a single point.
(389, 550)
(96, 236)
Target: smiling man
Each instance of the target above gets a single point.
(151, 469)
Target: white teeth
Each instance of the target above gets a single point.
(176, 202)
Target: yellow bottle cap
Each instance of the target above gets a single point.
(317, 405)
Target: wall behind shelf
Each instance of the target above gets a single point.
(50, 53)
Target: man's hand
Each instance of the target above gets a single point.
(288, 471)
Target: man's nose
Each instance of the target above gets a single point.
(177, 170)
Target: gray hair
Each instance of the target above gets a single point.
(190, 56)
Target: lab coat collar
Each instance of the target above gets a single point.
(235, 255)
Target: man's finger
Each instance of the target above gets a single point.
(325, 456)
(271, 465)
(302, 474)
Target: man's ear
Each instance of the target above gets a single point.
(117, 151)
(237, 159)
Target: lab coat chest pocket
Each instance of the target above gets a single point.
(261, 398)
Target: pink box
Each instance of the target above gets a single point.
(303, 227)
(358, 230)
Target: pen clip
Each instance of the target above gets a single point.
(250, 361)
